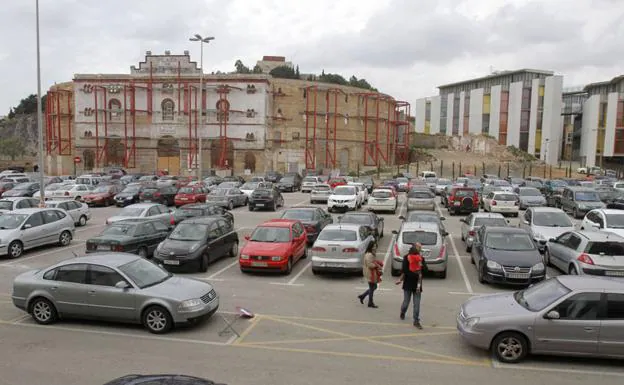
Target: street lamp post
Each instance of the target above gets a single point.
(201, 41)
(39, 116)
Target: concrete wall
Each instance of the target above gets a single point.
(552, 121)
(449, 114)
(609, 144)
(475, 125)
(462, 104)
(589, 133)
(495, 103)
(435, 114)
(535, 85)
(513, 121)
(421, 106)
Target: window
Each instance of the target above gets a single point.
(615, 306)
(35, 220)
(583, 306)
(76, 273)
(160, 227)
(50, 216)
(215, 231)
(23, 204)
(114, 107)
(168, 108)
(153, 211)
(103, 276)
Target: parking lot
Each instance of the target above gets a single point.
(304, 325)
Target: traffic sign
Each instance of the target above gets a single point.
(77, 159)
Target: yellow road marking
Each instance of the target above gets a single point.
(310, 340)
(344, 321)
(361, 355)
(401, 347)
(249, 329)
(17, 319)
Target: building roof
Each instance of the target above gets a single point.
(615, 80)
(498, 74)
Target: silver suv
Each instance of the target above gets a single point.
(580, 200)
(431, 238)
(544, 223)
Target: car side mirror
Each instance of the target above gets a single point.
(247, 237)
(401, 217)
(395, 232)
(26, 226)
(462, 220)
(445, 233)
(524, 221)
(552, 240)
(442, 218)
(553, 314)
(122, 285)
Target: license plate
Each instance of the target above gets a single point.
(147, 200)
(171, 262)
(183, 199)
(103, 247)
(259, 264)
(381, 199)
(517, 275)
(615, 273)
(260, 204)
(335, 265)
(456, 204)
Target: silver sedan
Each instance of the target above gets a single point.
(341, 248)
(114, 287)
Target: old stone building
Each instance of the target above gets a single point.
(151, 118)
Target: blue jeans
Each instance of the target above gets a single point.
(369, 292)
(415, 296)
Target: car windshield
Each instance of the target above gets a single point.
(431, 179)
(219, 192)
(422, 237)
(532, 183)
(119, 229)
(53, 187)
(464, 193)
(226, 185)
(539, 296)
(310, 179)
(558, 183)
(509, 242)
(419, 194)
(322, 188)
(11, 221)
(287, 179)
(422, 217)
(271, 234)
(186, 190)
(101, 189)
(189, 232)
(344, 190)
(132, 189)
(302, 215)
(337, 235)
(552, 219)
(444, 182)
(505, 197)
(500, 182)
(22, 186)
(586, 196)
(191, 211)
(615, 221)
(360, 219)
(150, 190)
(6, 205)
(478, 222)
(530, 192)
(145, 273)
(250, 186)
(610, 248)
(130, 212)
(517, 180)
(381, 194)
(402, 180)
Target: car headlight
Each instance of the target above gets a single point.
(493, 265)
(538, 267)
(244, 256)
(190, 304)
(471, 322)
(159, 247)
(582, 207)
(539, 237)
(194, 248)
(276, 259)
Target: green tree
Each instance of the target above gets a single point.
(257, 69)
(11, 113)
(297, 72)
(12, 147)
(241, 68)
(284, 72)
(28, 105)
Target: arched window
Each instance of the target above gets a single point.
(168, 108)
(114, 108)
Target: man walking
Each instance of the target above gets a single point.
(411, 277)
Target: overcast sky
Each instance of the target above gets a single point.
(403, 47)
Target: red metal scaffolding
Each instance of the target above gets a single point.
(401, 124)
(331, 125)
(310, 134)
(374, 125)
(56, 142)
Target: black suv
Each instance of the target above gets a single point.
(159, 194)
(265, 198)
(290, 182)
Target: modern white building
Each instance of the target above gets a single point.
(519, 108)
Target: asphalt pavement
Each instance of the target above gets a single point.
(307, 329)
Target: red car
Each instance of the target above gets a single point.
(103, 195)
(334, 182)
(275, 245)
(190, 194)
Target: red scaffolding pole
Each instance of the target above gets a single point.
(101, 154)
(331, 125)
(373, 151)
(401, 123)
(223, 115)
(57, 141)
(310, 139)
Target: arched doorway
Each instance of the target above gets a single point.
(215, 153)
(116, 152)
(168, 151)
(250, 161)
(88, 159)
(343, 159)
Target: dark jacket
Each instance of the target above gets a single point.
(410, 278)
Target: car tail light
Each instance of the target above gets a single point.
(116, 247)
(493, 203)
(319, 249)
(66, 193)
(585, 258)
(471, 233)
(310, 229)
(172, 220)
(156, 194)
(141, 194)
(396, 250)
(349, 250)
(442, 251)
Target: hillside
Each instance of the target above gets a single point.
(23, 127)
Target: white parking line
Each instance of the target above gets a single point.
(89, 228)
(464, 293)
(22, 259)
(223, 270)
(299, 274)
(303, 202)
(457, 258)
(378, 288)
(498, 365)
(389, 251)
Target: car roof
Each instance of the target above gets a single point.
(13, 199)
(599, 236)
(409, 226)
(505, 229)
(199, 205)
(30, 210)
(106, 259)
(342, 226)
(302, 208)
(543, 209)
(143, 205)
(609, 211)
(134, 220)
(488, 215)
(278, 223)
(579, 282)
(201, 220)
(579, 188)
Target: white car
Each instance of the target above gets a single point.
(72, 191)
(48, 190)
(343, 198)
(249, 187)
(362, 191)
(309, 182)
(382, 200)
(501, 202)
(610, 220)
(79, 211)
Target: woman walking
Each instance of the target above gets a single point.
(411, 277)
(372, 272)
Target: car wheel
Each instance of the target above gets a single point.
(442, 275)
(381, 234)
(315, 272)
(65, 238)
(16, 248)
(234, 250)
(469, 249)
(573, 271)
(157, 320)
(251, 208)
(289, 266)
(546, 258)
(575, 213)
(482, 273)
(472, 261)
(142, 252)
(230, 205)
(203, 263)
(305, 253)
(510, 347)
(246, 202)
(82, 221)
(43, 311)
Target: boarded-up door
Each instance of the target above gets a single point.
(344, 160)
(169, 163)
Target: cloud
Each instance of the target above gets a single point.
(404, 47)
